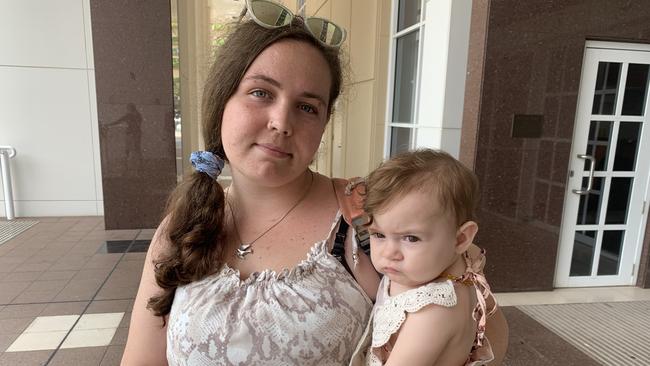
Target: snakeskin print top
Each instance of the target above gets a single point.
(313, 314)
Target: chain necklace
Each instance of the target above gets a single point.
(245, 249)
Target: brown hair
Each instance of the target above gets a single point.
(195, 210)
(453, 184)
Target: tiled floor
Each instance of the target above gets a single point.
(67, 288)
(66, 292)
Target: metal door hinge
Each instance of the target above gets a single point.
(633, 268)
(643, 208)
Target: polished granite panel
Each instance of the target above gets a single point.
(473, 81)
(644, 265)
(532, 64)
(131, 43)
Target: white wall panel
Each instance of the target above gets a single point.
(47, 118)
(42, 33)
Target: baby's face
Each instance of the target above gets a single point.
(412, 240)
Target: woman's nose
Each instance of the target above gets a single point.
(279, 119)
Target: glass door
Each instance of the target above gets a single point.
(605, 202)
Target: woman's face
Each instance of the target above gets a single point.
(273, 123)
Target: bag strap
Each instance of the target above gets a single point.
(338, 250)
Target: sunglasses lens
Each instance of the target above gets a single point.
(327, 32)
(270, 13)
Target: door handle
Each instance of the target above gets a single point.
(590, 182)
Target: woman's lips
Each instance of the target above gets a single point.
(274, 150)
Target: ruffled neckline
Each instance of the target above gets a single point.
(297, 272)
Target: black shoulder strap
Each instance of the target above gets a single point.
(338, 250)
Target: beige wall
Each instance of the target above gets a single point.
(353, 144)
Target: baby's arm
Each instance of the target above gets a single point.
(424, 336)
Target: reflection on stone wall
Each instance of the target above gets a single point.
(132, 47)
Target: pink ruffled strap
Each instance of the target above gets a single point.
(474, 275)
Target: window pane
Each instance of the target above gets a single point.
(583, 253)
(408, 13)
(619, 200)
(606, 88)
(400, 140)
(636, 87)
(626, 148)
(610, 252)
(406, 64)
(600, 133)
(589, 208)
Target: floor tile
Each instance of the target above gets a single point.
(56, 275)
(126, 320)
(9, 290)
(109, 306)
(37, 341)
(121, 334)
(102, 261)
(99, 321)
(34, 358)
(7, 339)
(14, 326)
(8, 268)
(52, 323)
(89, 338)
(113, 356)
(117, 293)
(27, 297)
(33, 267)
(92, 274)
(134, 257)
(20, 276)
(90, 356)
(40, 286)
(79, 290)
(21, 311)
(64, 308)
(531, 344)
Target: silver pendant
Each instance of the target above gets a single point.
(243, 251)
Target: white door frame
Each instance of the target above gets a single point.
(634, 227)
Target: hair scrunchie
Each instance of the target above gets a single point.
(207, 162)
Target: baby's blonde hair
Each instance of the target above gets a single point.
(424, 170)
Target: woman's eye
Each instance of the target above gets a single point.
(260, 93)
(411, 238)
(307, 108)
(377, 235)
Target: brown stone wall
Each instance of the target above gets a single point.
(133, 71)
(531, 65)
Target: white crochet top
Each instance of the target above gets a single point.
(389, 314)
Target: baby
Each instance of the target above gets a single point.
(431, 304)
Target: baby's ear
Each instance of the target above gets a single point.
(465, 236)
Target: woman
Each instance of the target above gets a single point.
(245, 276)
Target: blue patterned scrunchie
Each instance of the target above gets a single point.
(207, 162)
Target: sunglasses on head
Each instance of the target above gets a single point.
(270, 15)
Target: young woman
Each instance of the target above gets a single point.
(245, 276)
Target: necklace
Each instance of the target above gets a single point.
(245, 249)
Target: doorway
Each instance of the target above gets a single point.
(605, 207)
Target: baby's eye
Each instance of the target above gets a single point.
(308, 108)
(377, 235)
(260, 93)
(411, 238)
